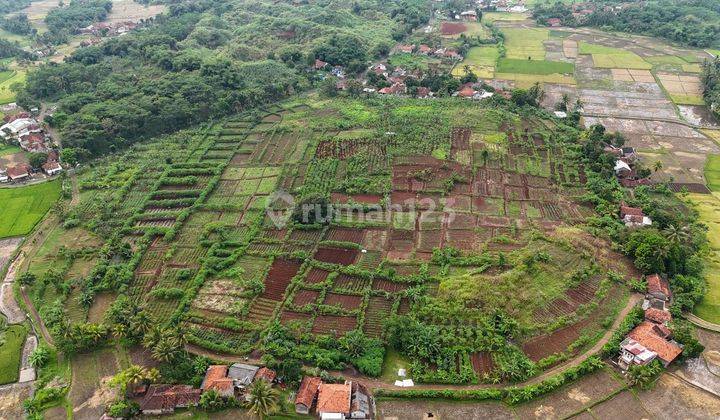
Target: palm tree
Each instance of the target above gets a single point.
(141, 323)
(658, 165)
(677, 235)
(119, 331)
(165, 350)
(263, 399)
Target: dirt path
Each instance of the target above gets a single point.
(8, 305)
(702, 323)
(374, 383)
(36, 317)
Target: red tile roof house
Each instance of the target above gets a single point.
(18, 173)
(216, 379)
(51, 167)
(334, 401)
(656, 338)
(164, 399)
(424, 49)
(265, 374)
(405, 48)
(658, 316)
(307, 394)
(319, 64)
(554, 22)
(658, 293)
(633, 216)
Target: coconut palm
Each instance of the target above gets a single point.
(262, 398)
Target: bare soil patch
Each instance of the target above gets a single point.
(452, 28)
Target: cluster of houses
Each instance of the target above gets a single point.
(349, 400)
(652, 339)
(101, 29)
(626, 160)
(226, 381)
(23, 130)
(502, 6)
(422, 49)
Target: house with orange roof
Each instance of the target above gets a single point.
(216, 379)
(307, 394)
(657, 338)
(333, 401)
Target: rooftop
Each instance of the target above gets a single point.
(308, 389)
(651, 337)
(334, 398)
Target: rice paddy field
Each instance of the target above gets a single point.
(22, 207)
(708, 206)
(481, 60)
(525, 43)
(613, 58)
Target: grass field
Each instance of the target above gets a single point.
(11, 353)
(411, 61)
(687, 99)
(510, 65)
(613, 58)
(481, 60)
(21, 208)
(495, 16)
(527, 80)
(6, 95)
(708, 206)
(522, 43)
(6, 149)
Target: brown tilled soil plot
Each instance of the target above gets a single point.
(328, 324)
(281, 272)
(419, 410)
(340, 256)
(452, 28)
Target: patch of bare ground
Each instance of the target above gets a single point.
(11, 399)
(672, 398)
(129, 10)
(89, 390)
(100, 304)
(571, 398)
(622, 406)
(420, 409)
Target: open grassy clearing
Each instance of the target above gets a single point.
(525, 43)
(13, 339)
(609, 57)
(21, 208)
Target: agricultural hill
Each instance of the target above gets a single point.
(457, 218)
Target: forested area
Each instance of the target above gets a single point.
(9, 6)
(692, 22)
(207, 59)
(77, 14)
(711, 85)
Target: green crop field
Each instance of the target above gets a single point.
(510, 65)
(6, 95)
(609, 58)
(708, 206)
(522, 43)
(21, 208)
(481, 61)
(11, 353)
(6, 149)
(506, 16)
